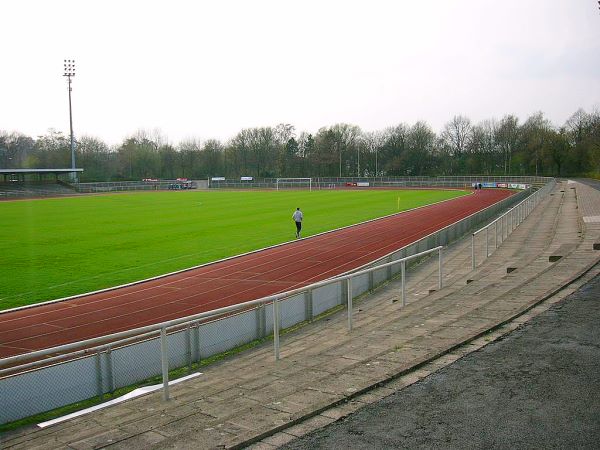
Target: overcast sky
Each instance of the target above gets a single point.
(207, 69)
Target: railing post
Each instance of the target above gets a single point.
(99, 381)
(188, 346)
(473, 251)
(495, 235)
(276, 328)
(164, 356)
(196, 341)
(440, 283)
(403, 271)
(349, 304)
(308, 302)
(343, 291)
(109, 370)
(520, 213)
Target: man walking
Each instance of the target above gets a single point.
(297, 216)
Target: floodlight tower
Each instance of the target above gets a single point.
(358, 159)
(69, 73)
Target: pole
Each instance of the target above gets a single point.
(473, 251)
(71, 127)
(403, 270)
(440, 283)
(349, 304)
(69, 72)
(340, 152)
(495, 235)
(276, 326)
(164, 356)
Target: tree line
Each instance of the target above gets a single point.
(492, 147)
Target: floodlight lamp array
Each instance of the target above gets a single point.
(69, 68)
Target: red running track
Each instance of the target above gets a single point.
(225, 283)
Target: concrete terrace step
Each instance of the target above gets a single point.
(249, 397)
(537, 232)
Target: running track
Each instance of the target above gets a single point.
(228, 282)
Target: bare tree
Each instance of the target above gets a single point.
(457, 134)
(536, 137)
(212, 158)
(283, 132)
(420, 148)
(394, 149)
(507, 137)
(373, 142)
(455, 140)
(15, 149)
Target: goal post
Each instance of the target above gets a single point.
(293, 183)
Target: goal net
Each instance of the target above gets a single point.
(294, 183)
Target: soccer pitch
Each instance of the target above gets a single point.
(59, 247)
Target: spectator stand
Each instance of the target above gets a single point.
(27, 183)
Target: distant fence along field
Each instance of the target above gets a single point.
(59, 247)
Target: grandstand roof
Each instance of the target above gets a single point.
(2, 171)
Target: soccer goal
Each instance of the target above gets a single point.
(294, 183)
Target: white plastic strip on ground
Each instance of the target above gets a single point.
(132, 394)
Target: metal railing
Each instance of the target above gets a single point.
(120, 186)
(505, 224)
(100, 343)
(415, 182)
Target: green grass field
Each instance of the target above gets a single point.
(59, 247)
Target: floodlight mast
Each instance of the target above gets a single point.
(69, 73)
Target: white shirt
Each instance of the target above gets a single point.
(297, 216)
